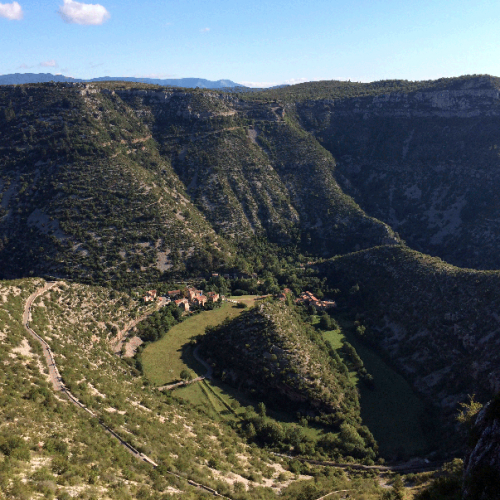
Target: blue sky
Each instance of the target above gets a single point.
(252, 42)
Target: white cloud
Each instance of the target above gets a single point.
(204, 30)
(24, 66)
(49, 64)
(11, 11)
(83, 13)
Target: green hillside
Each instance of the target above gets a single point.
(85, 192)
(50, 448)
(102, 181)
(270, 350)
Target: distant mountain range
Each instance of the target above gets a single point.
(20, 78)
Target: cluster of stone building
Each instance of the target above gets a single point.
(309, 299)
(183, 298)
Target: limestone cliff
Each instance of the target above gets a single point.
(425, 162)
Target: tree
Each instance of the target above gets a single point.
(186, 375)
(261, 409)
(469, 411)
(325, 322)
(398, 488)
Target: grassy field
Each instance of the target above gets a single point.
(392, 411)
(164, 360)
(335, 338)
(249, 300)
(224, 402)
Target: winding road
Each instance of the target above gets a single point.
(58, 385)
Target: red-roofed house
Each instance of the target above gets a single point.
(150, 296)
(213, 296)
(183, 304)
(201, 300)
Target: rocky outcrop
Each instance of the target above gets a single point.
(482, 463)
(479, 97)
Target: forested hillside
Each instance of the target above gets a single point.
(269, 350)
(105, 181)
(429, 317)
(351, 191)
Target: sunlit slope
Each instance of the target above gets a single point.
(85, 193)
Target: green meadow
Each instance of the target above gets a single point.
(392, 411)
(164, 360)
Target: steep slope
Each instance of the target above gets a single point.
(430, 318)
(85, 193)
(251, 169)
(118, 180)
(424, 160)
(482, 463)
(46, 444)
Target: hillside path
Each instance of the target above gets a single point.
(122, 335)
(208, 374)
(196, 354)
(407, 468)
(56, 378)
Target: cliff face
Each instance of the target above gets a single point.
(252, 170)
(425, 162)
(482, 463)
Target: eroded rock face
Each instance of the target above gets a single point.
(482, 464)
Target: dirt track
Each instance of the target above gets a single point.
(59, 386)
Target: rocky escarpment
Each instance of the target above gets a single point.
(251, 170)
(482, 463)
(425, 162)
(100, 180)
(477, 96)
(85, 193)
